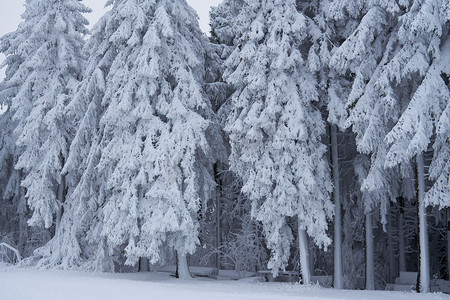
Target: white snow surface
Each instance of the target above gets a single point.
(24, 284)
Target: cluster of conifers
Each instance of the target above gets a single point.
(144, 138)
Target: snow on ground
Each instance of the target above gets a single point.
(28, 284)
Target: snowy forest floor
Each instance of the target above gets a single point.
(24, 284)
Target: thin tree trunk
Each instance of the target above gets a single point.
(144, 265)
(218, 213)
(401, 238)
(21, 209)
(337, 279)
(61, 199)
(304, 261)
(182, 266)
(424, 273)
(218, 233)
(310, 262)
(448, 243)
(370, 280)
(392, 262)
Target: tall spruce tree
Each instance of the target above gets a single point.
(275, 128)
(424, 57)
(389, 54)
(153, 149)
(330, 87)
(14, 213)
(44, 63)
(365, 33)
(84, 211)
(371, 107)
(422, 61)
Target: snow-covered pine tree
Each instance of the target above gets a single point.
(423, 61)
(389, 54)
(368, 41)
(425, 52)
(14, 211)
(151, 154)
(275, 127)
(221, 45)
(83, 219)
(331, 88)
(12, 200)
(369, 34)
(44, 62)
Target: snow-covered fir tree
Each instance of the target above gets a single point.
(275, 127)
(84, 213)
(237, 233)
(388, 54)
(358, 100)
(151, 153)
(44, 63)
(371, 106)
(146, 177)
(421, 62)
(425, 52)
(14, 211)
(330, 93)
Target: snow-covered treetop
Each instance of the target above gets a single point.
(223, 18)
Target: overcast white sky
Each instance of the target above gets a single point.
(10, 11)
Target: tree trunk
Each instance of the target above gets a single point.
(370, 280)
(424, 272)
(144, 265)
(22, 211)
(310, 262)
(61, 199)
(218, 212)
(182, 271)
(448, 243)
(337, 279)
(401, 238)
(304, 261)
(391, 245)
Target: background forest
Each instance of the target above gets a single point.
(301, 135)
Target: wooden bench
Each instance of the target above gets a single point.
(406, 281)
(195, 271)
(283, 276)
